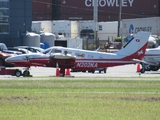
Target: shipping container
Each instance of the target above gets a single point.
(107, 30)
(68, 29)
(132, 26)
(69, 42)
(42, 10)
(108, 10)
(45, 26)
(36, 26)
(86, 28)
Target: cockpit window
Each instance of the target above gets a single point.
(56, 51)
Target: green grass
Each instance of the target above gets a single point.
(79, 99)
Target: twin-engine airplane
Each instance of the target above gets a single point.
(83, 60)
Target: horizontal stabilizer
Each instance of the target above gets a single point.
(142, 61)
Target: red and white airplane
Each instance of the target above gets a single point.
(82, 60)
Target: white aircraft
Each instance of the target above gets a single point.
(151, 60)
(83, 60)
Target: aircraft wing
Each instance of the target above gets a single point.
(142, 61)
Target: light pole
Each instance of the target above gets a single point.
(119, 20)
(95, 17)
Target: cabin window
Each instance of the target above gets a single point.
(80, 55)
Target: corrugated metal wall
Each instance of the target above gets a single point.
(83, 9)
(109, 9)
(42, 10)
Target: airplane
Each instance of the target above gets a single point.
(82, 60)
(151, 60)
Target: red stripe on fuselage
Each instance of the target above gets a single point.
(92, 63)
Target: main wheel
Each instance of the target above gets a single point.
(105, 69)
(18, 73)
(26, 73)
(142, 70)
(93, 71)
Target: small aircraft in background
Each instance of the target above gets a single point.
(83, 60)
(151, 60)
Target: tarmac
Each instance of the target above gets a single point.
(118, 71)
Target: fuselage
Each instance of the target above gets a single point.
(85, 60)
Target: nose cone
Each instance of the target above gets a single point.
(10, 59)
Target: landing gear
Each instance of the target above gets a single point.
(103, 69)
(62, 71)
(26, 73)
(146, 67)
(93, 71)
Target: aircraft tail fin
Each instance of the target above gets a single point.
(136, 47)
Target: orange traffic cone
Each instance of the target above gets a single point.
(57, 70)
(138, 68)
(68, 72)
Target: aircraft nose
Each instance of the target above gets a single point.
(19, 58)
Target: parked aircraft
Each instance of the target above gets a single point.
(82, 60)
(151, 60)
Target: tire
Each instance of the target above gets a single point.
(18, 73)
(99, 71)
(26, 73)
(105, 70)
(93, 71)
(142, 71)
